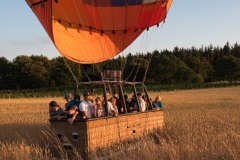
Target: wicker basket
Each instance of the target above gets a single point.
(99, 133)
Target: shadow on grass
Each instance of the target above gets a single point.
(29, 133)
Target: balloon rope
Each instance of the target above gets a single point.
(154, 7)
(94, 16)
(145, 74)
(135, 60)
(145, 46)
(74, 77)
(64, 12)
(99, 69)
(150, 59)
(85, 72)
(140, 62)
(125, 59)
(79, 16)
(125, 33)
(141, 44)
(129, 50)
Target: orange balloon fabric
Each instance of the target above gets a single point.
(92, 31)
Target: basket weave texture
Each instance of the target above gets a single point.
(104, 132)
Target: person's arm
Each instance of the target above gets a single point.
(54, 116)
(94, 111)
(82, 108)
(71, 120)
(119, 106)
(58, 117)
(114, 113)
(85, 114)
(104, 112)
(161, 106)
(155, 107)
(153, 104)
(121, 109)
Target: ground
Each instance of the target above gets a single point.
(199, 124)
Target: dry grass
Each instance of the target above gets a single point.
(199, 124)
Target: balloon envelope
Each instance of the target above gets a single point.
(92, 31)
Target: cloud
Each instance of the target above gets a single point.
(36, 41)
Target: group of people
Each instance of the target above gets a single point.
(75, 108)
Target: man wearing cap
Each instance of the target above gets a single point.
(68, 98)
(55, 111)
(86, 106)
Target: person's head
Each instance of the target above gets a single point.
(53, 106)
(98, 101)
(108, 95)
(144, 97)
(133, 96)
(115, 94)
(76, 97)
(158, 98)
(86, 95)
(113, 100)
(90, 97)
(125, 96)
(139, 95)
(68, 97)
(72, 109)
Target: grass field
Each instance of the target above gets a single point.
(199, 124)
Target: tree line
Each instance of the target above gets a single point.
(179, 66)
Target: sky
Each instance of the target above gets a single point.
(189, 23)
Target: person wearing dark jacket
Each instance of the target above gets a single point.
(55, 111)
(72, 114)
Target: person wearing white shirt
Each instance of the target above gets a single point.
(113, 106)
(141, 102)
(86, 106)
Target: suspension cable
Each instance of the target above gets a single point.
(125, 33)
(141, 42)
(151, 55)
(136, 59)
(69, 68)
(145, 74)
(99, 69)
(89, 79)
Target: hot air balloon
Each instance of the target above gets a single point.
(93, 31)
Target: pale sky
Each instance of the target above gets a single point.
(189, 23)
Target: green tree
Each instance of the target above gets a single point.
(31, 72)
(226, 49)
(200, 66)
(236, 50)
(4, 72)
(227, 68)
(60, 74)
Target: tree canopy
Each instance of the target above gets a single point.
(179, 66)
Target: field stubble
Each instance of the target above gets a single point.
(199, 124)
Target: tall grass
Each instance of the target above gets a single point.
(199, 124)
(58, 92)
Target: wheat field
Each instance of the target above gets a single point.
(199, 124)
